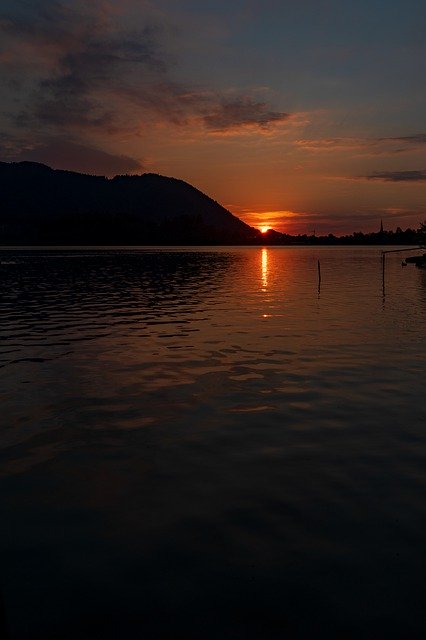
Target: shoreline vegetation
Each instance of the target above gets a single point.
(40, 206)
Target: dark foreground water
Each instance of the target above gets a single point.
(199, 444)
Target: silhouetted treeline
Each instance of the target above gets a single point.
(42, 206)
(397, 237)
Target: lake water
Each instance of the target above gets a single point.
(203, 444)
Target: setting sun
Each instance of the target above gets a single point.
(264, 229)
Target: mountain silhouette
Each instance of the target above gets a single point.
(43, 206)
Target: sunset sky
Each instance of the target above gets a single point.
(298, 115)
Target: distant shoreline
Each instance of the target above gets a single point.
(103, 247)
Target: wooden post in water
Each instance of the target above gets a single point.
(383, 272)
(319, 276)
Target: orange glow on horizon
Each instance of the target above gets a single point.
(280, 220)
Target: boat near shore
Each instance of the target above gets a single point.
(419, 261)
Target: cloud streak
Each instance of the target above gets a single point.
(364, 146)
(418, 139)
(397, 176)
(243, 112)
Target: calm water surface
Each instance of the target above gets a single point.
(200, 444)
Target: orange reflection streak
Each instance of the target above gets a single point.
(264, 269)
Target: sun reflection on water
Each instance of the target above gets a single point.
(264, 269)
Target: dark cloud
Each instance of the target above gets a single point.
(242, 112)
(166, 100)
(66, 154)
(398, 176)
(34, 20)
(85, 58)
(11, 145)
(90, 72)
